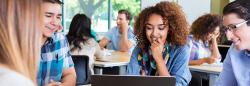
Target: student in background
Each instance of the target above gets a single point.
(204, 33)
(20, 36)
(236, 19)
(56, 65)
(121, 37)
(82, 41)
(162, 48)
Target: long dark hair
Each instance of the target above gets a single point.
(79, 30)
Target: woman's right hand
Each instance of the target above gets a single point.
(157, 49)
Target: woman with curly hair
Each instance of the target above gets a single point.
(205, 30)
(162, 49)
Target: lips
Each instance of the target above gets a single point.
(49, 28)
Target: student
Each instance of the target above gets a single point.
(82, 41)
(236, 65)
(56, 65)
(20, 36)
(162, 48)
(121, 37)
(205, 31)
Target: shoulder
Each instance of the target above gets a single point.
(8, 77)
(58, 37)
(114, 29)
(185, 47)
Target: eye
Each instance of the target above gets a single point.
(232, 26)
(48, 16)
(58, 17)
(148, 28)
(161, 27)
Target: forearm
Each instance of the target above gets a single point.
(162, 69)
(196, 62)
(124, 42)
(69, 78)
(103, 43)
(214, 48)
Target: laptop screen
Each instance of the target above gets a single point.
(128, 80)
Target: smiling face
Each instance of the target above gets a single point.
(156, 29)
(52, 18)
(121, 20)
(239, 36)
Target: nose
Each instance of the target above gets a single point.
(155, 33)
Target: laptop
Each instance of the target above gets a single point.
(128, 80)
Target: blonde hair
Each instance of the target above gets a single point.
(20, 35)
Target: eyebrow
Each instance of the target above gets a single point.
(52, 13)
(153, 25)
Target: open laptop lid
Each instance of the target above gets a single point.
(128, 80)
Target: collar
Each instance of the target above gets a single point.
(48, 41)
(247, 53)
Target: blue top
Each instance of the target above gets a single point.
(177, 64)
(114, 37)
(55, 57)
(236, 68)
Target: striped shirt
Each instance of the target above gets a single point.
(55, 57)
(199, 49)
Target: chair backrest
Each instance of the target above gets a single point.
(81, 64)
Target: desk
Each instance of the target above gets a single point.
(212, 71)
(228, 46)
(116, 58)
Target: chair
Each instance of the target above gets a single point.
(81, 63)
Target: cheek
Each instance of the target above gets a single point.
(164, 35)
(46, 20)
(148, 34)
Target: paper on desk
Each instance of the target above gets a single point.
(214, 64)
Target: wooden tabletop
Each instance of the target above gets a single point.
(224, 46)
(116, 58)
(207, 69)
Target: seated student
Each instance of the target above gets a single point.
(82, 41)
(121, 37)
(162, 48)
(236, 19)
(20, 41)
(205, 31)
(56, 65)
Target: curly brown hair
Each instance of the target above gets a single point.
(172, 16)
(204, 25)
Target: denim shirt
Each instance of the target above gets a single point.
(177, 64)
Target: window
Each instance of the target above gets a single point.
(102, 12)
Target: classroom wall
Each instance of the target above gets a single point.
(146, 3)
(218, 5)
(192, 8)
(195, 8)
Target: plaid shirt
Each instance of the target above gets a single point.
(55, 57)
